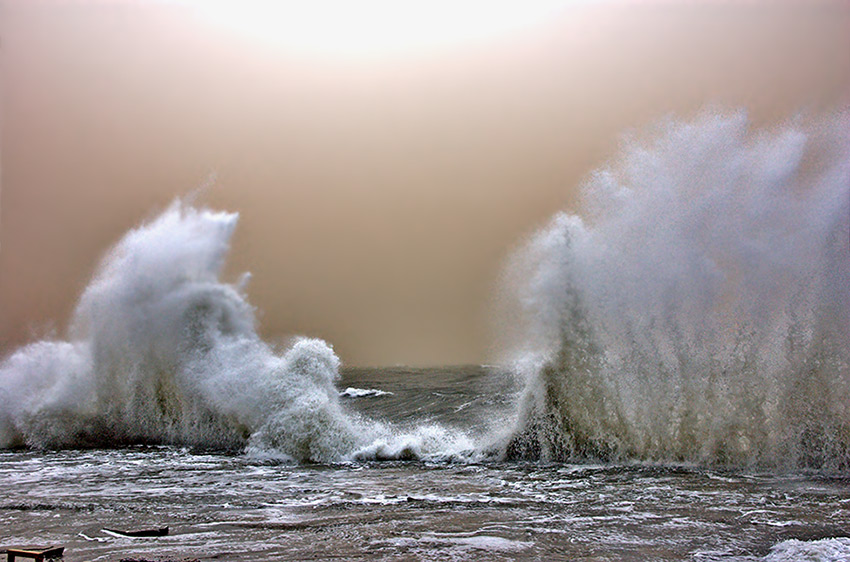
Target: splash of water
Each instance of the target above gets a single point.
(699, 311)
(161, 351)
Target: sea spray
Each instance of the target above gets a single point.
(699, 309)
(161, 351)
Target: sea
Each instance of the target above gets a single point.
(676, 386)
(221, 506)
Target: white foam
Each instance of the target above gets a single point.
(491, 544)
(699, 309)
(352, 392)
(429, 442)
(488, 543)
(824, 550)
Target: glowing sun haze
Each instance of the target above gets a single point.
(373, 27)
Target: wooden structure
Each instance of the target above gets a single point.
(37, 554)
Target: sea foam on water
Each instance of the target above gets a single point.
(699, 309)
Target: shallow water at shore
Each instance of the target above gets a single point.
(223, 506)
(232, 508)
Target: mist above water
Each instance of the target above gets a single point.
(699, 309)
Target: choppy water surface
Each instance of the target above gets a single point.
(234, 507)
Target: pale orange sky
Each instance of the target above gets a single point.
(379, 196)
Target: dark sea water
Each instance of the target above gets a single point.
(237, 507)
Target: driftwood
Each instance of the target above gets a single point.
(160, 532)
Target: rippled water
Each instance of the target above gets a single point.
(233, 507)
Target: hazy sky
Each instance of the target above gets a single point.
(379, 192)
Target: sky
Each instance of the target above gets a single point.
(384, 162)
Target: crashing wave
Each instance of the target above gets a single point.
(699, 311)
(161, 351)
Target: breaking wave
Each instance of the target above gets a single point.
(161, 351)
(699, 309)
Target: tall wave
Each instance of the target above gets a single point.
(699, 309)
(161, 351)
